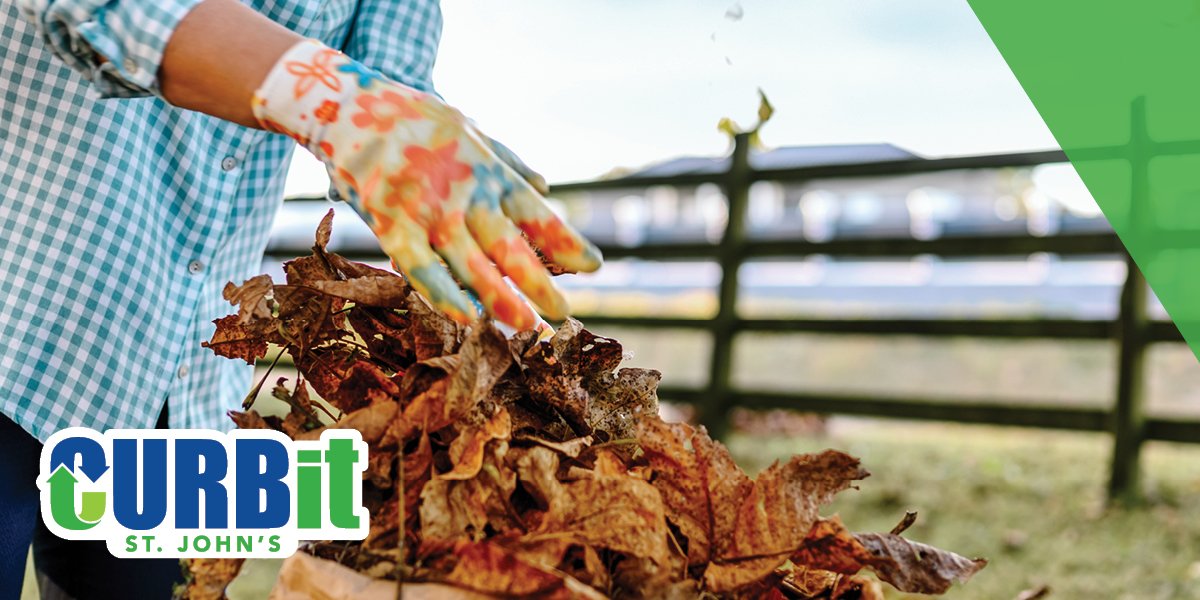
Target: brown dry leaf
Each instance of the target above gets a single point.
(742, 528)
(234, 340)
(371, 422)
(619, 401)
(736, 575)
(619, 513)
(386, 292)
(452, 510)
(253, 298)
(248, 420)
(430, 334)
(316, 267)
(418, 470)
(783, 505)
(386, 520)
(382, 330)
(353, 269)
(596, 492)
(683, 466)
(573, 373)
(490, 568)
(324, 230)
(571, 447)
(909, 566)
(209, 576)
(829, 546)
(363, 385)
(804, 584)
(647, 578)
(484, 359)
(466, 452)
(775, 516)
(304, 317)
(915, 567)
(305, 577)
(302, 415)
(568, 556)
(309, 271)
(469, 378)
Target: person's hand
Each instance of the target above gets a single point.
(427, 182)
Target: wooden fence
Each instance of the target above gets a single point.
(1132, 330)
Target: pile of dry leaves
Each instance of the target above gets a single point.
(519, 468)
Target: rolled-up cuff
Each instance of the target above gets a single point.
(117, 46)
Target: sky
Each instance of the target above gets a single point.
(578, 88)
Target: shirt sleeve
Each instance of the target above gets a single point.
(117, 45)
(398, 38)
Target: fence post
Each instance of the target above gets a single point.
(1129, 419)
(718, 399)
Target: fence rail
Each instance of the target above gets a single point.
(1131, 330)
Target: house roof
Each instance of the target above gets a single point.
(787, 157)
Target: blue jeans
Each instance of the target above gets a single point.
(77, 570)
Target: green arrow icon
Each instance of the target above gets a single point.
(62, 502)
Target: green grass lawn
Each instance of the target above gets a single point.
(1031, 502)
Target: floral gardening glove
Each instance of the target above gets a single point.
(428, 183)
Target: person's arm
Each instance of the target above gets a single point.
(217, 57)
(431, 186)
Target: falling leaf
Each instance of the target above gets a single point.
(765, 109)
(735, 12)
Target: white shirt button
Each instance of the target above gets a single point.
(229, 163)
(182, 372)
(131, 66)
(195, 267)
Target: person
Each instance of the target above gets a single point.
(140, 168)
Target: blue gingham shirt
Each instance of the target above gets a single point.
(121, 217)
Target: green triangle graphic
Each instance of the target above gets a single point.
(1118, 84)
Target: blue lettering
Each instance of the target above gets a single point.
(253, 482)
(190, 481)
(153, 483)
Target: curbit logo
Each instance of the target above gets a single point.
(250, 493)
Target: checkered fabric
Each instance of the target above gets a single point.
(121, 217)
